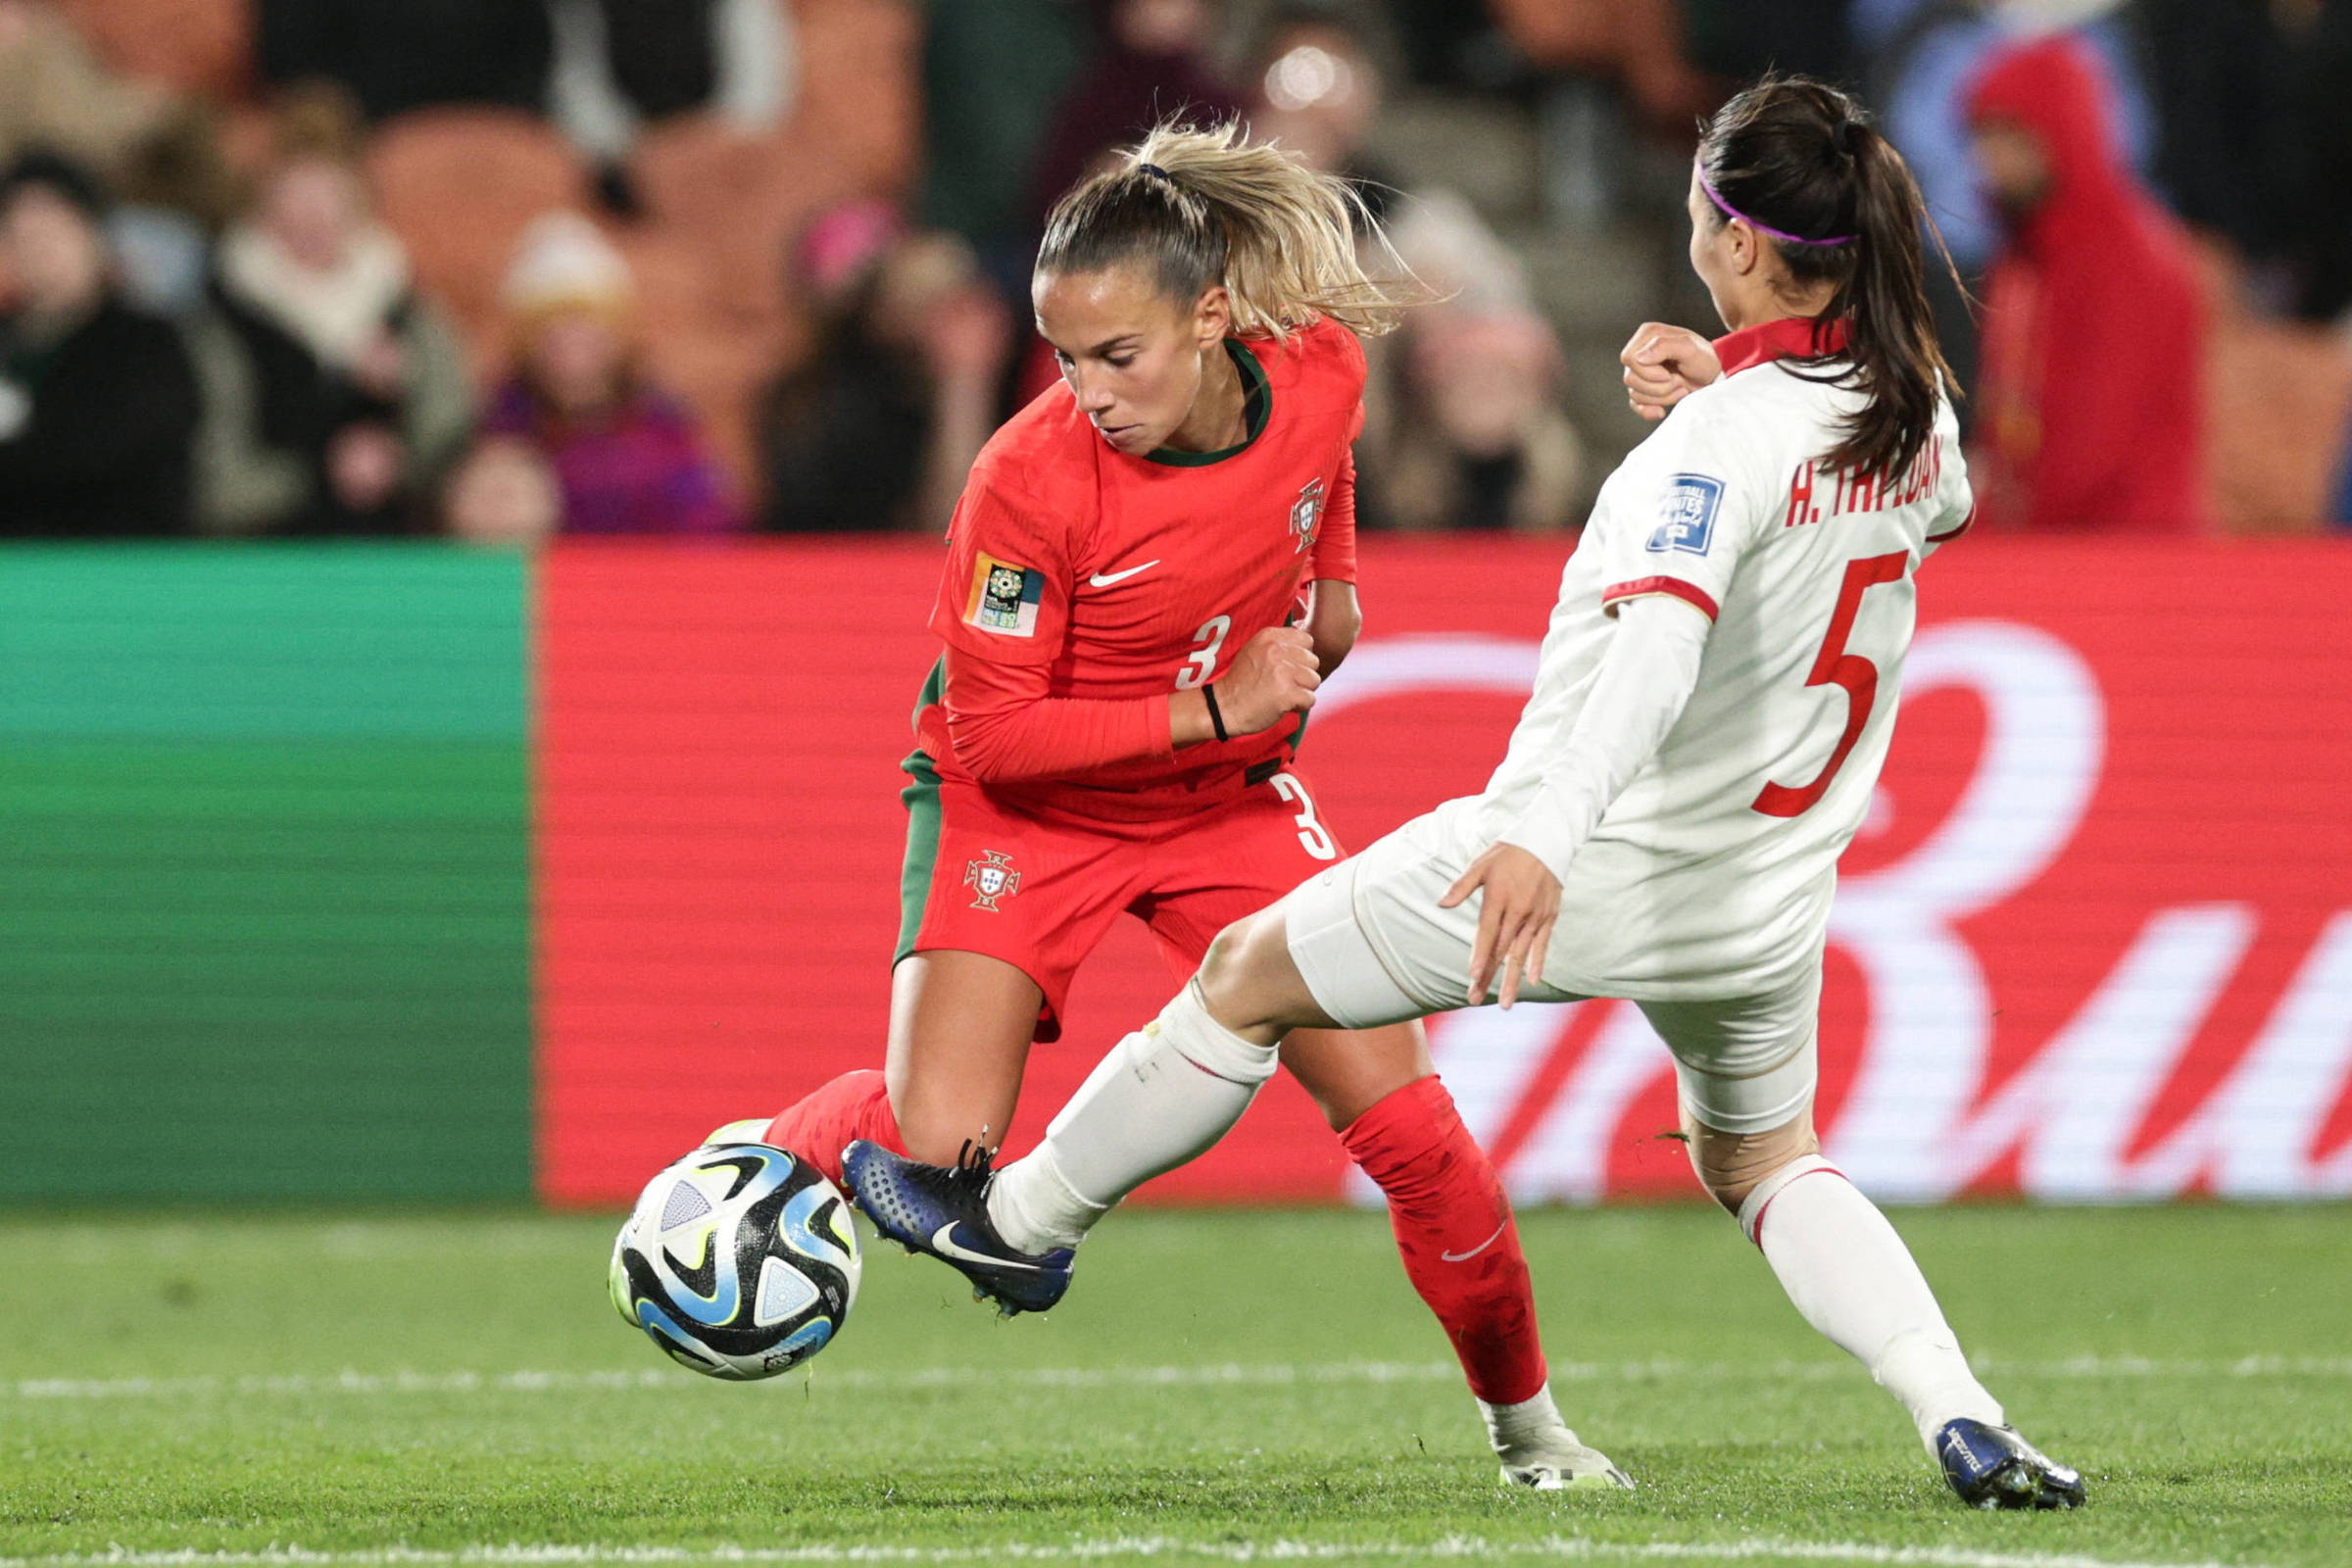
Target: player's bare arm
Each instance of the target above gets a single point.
(1333, 623)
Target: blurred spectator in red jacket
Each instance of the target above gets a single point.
(625, 457)
(97, 403)
(2091, 413)
(877, 430)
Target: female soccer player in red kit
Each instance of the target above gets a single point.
(1149, 569)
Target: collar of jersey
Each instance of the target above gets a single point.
(1258, 407)
(1791, 337)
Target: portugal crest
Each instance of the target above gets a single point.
(991, 877)
(1306, 513)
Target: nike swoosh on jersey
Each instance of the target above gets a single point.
(1103, 579)
(942, 1243)
(1464, 1258)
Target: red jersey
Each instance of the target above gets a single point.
(1083, 586)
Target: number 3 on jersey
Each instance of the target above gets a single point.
(1202, 661)
(1834, 667)
(1313, 837)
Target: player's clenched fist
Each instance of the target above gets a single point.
(1664, 364)
(1272, 677)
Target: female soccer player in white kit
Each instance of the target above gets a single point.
(1714, 699)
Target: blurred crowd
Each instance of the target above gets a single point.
(511, 268)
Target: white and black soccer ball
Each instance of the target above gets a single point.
(740, 1261)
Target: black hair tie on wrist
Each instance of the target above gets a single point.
(1216, 718)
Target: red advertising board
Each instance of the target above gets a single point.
(2094, 942)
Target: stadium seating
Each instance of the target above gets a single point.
(2275, 457)
(198, 47)
(459, 185)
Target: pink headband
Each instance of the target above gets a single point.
(1728, 211)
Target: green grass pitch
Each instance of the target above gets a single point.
(444, 1387)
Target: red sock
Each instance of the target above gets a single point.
(1454, 1229)
(827, 1120)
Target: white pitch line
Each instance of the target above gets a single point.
(1230, 1374)
(1572, 1548)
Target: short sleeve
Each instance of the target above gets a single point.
(1006, 593)
(1687, 518)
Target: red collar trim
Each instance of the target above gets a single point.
(1792, 337)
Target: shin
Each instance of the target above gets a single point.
(1164, 1096)
(1457, 1236)
(1843, 1266)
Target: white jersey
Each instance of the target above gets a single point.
(1711, 875)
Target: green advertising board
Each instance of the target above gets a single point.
(265, 892)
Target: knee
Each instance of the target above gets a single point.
(1731, 1164)
(1247, 980)
(1240, 950)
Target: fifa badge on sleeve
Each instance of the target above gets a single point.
(1004, 597)
(1687, 517)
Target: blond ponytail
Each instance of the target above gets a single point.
(1201, 207)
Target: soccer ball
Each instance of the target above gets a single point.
(740, 1261)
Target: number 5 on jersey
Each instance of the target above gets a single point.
(1834, 667)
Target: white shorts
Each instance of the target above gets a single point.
(1374, 948)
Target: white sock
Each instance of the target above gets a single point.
(1533, 1429)
(1852, 1278)
(1162, 1097)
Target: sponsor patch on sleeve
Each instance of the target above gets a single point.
(1687, 517)
(1004, 597)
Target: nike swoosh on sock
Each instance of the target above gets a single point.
(1464, 1258)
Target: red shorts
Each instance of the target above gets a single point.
(1039, 895)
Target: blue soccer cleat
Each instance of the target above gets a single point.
(1992, 1467)
(943, 1210)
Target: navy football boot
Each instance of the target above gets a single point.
(1992, 1467)
(943, 1210)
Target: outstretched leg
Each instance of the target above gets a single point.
(1165, 1093)
(1843, 1266)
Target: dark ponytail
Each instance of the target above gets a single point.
(1802, 163)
